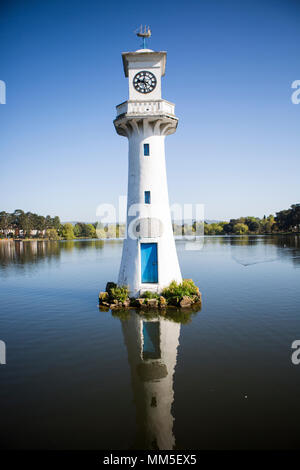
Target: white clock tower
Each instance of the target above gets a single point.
(149, 259)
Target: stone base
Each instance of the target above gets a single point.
(158, 303)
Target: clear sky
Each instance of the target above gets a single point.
(230, 66)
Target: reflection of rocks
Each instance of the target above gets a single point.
(171, 313)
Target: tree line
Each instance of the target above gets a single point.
(20, 224)
(284, 221)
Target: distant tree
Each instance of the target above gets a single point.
(5, 221)
(289, 220)
(296, 216)
(26, 223)
(284, 219)
(208, 230)
(84, 230)
(269, 223)
(68, 232)
(48, 222)
(90, 231)
(214, 229)
(60, 230)
(40, 224)
(52, 234)
(228, 228)
(252, 222)
(56, 222)
(240, 229)
(35, 218)
(16, 223)
(219, 228)
(253, 226)
(78, 230)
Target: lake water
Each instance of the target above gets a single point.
(80, 378)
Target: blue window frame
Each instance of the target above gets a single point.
(147, 197)
(146, 150)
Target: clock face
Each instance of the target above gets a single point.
(144, 82)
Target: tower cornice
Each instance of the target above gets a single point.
(144, 55)
(145, 126)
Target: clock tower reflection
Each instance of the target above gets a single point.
(152, 346)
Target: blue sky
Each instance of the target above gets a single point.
(230, 66)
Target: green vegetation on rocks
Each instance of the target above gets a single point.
(179, 294)
(182, 295)
(119, 293)
(149, 295)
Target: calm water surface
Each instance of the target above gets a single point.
(77, 377)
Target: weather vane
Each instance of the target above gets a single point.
(143, 32)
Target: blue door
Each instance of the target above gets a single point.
(149, 262)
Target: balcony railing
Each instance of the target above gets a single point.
(146, 107)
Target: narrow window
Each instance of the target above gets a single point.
(146, 150)
(147, 197)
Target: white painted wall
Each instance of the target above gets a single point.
(148, 174)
